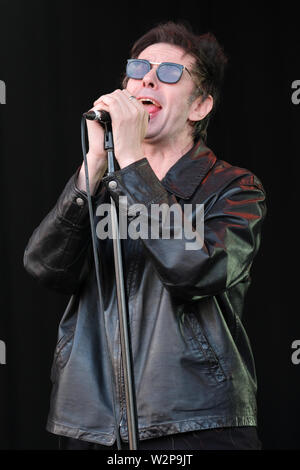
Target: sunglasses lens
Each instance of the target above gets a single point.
(137, 69)
(169, 73)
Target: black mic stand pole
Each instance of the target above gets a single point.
(122, 310)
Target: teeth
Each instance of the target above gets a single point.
(148, 100)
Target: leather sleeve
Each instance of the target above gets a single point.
(232, 226)
(59, 250)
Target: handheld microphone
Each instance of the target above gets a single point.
(98, 115)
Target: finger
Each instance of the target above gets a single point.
(117, 100)
(124, 102)
(104, 97)
(135, 102)
(100, 106)
(99, 100)
(132, 99)
(120, 106)
(115, 103)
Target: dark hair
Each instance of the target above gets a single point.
(209, 66)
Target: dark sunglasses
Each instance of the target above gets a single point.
(167, 72)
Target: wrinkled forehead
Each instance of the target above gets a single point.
(164, 52)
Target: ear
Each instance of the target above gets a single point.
(200, 108)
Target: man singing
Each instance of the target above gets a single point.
(194, 373)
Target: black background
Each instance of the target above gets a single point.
(56, 58)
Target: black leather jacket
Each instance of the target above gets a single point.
(193, 364)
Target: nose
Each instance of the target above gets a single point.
(150, 79)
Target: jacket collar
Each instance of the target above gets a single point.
(186, 174)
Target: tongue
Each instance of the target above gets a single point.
(151, 108)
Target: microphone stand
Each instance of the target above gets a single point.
(122, 310)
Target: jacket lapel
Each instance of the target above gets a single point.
(186, 174)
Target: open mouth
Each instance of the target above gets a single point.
(152, 106)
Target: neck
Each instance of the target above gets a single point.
(162, 157)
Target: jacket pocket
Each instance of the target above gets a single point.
(61, 354)
(198, 341)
